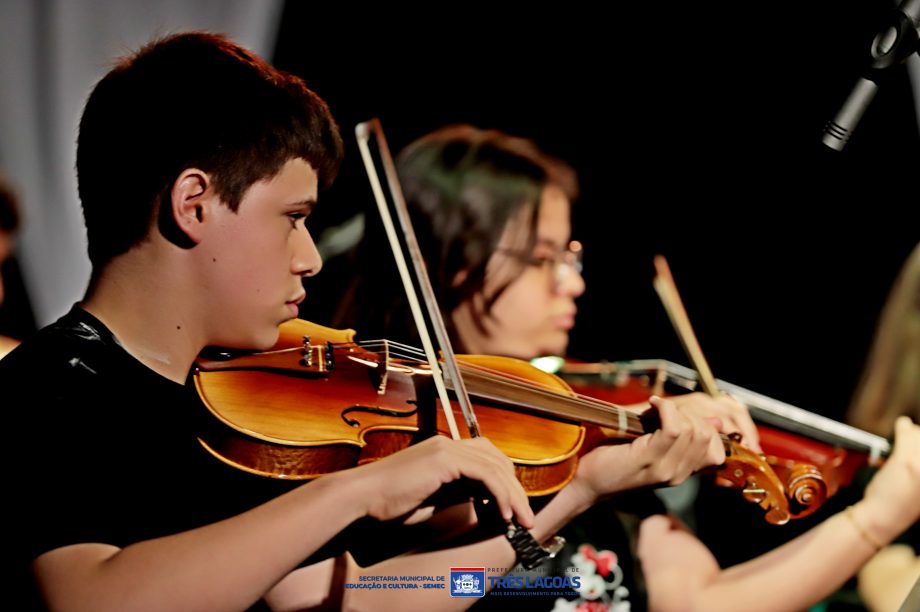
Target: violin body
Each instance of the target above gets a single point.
(308, 408)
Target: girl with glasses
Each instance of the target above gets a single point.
(492, 215)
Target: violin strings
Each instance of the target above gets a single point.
(542, 388)
(395, 348)
(577, 398)
(496, 375)
(501, 378)
(409, 352)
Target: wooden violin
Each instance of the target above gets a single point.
(812, 455)
(319, 402)
(810, 471)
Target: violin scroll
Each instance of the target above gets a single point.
(759, 484)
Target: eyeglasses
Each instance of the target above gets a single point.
(564, 263)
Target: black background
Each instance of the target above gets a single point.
(695, 130)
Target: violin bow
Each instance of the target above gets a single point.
(530, 552)
(363, 132)
(777, 511)
(674, 306)
(769, 410)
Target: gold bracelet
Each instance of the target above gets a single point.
(862, 530)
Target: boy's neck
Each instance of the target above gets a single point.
(149, 313)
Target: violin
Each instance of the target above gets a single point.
(813, 456)
(319, 402)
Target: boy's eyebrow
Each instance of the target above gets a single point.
(308, 204)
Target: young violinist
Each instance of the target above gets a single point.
(197, 165)
(492, 215)
(890, 388)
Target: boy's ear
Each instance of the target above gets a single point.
(189, 203)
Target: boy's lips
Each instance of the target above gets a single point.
(292, 305)
(297, 300)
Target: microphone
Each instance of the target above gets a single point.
(894, 44)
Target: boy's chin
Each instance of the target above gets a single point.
(261, 340)
(266, 340)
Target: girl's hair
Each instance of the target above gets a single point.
(463, 186)
(890, 386)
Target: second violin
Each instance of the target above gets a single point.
(813, 456)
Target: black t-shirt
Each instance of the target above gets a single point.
(103, 449)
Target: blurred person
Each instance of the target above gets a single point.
(492, 214)
(890, 388)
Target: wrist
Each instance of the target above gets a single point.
(611, 469)
(580, 494)
(866, 522)
(351, 491)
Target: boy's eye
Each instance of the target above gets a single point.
(296, 216)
